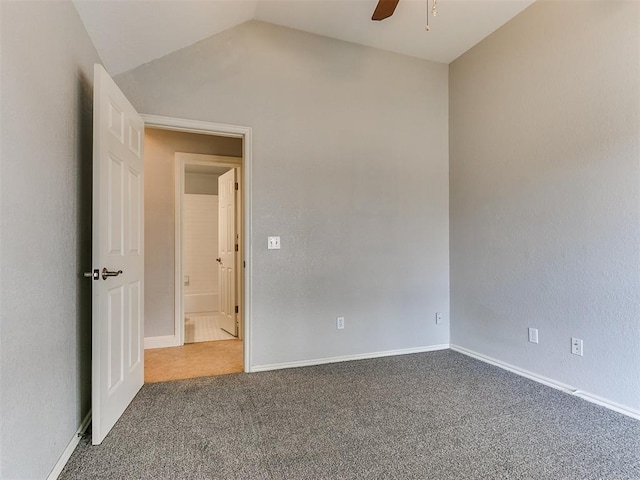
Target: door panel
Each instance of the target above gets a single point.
(115, 317)
(118, 239)
(135, 325)
(114, 205)
(135, 203)
(227, 250)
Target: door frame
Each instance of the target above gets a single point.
(181, 161)
(244, 133)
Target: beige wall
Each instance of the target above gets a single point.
(350, 168)
(545, 197)
(201, 183)
(45, 245)
(159, 199)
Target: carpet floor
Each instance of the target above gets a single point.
(438, 415)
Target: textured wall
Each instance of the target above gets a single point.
(350, 168)
(159, 199)
(545, 201)
(45, 184)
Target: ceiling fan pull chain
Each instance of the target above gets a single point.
(427, 25)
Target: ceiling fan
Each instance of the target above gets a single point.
(384, 9)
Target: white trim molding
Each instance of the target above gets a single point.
(346, 358)
(161, 342)
(195, 126)
(66, 455)
(245, 133)
(603, 402)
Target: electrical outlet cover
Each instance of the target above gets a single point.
(576, 346)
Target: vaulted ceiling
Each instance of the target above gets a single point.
(129, 33)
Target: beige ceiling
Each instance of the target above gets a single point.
(129, 33)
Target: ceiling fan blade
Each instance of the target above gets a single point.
(384, 9)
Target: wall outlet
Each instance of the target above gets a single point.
(340, 323)
(533, 335)
(438, 318)
(576, 346)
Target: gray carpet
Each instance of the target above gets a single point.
(438, 415)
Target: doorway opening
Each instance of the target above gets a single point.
(208, 247)
(209, 289)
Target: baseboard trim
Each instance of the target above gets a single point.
(345, 358)
(66, 455)
(603, 402)
(161, 342)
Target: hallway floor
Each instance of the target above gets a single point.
(193, 360)
(204, 327)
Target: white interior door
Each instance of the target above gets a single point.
(227, 250)
(118, 240)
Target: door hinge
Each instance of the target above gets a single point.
(244, 264)
(237, 185)
(236, 247)
(236, 308)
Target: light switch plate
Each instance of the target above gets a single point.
(273, 243)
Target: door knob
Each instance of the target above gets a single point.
(219, 260)
(106, 273)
